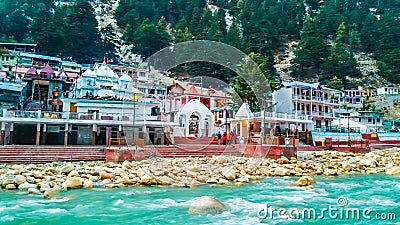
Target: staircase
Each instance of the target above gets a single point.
(180, 151)
(36, 154)
(33, 106)
(196, 140)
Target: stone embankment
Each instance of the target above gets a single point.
(50, 178)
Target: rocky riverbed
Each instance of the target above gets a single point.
(49, 179)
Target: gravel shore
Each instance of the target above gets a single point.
(48, 179)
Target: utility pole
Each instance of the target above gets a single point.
(348, 127)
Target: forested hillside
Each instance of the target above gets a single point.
(328, 34)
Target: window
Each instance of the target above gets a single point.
(369, 120)
(142, 74)
(220, 114)
(385, 89)
(155, 111)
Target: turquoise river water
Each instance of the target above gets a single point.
(340, 200)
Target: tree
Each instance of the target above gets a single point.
(253, 86)
(368, 33)
(335, 83)
(341, 61)
(149, 38)
(310, 52)
(16, 25)
(233, 35)
(81, 32)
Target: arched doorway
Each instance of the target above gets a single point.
(194, 124)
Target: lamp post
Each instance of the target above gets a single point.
(133, 118)
(348, 127)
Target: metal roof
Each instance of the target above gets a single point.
(18, 87)
(299, 83)
(36, 56)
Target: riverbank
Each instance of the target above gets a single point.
(49, 178)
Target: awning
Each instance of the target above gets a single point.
(137, 91)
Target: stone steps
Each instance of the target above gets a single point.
(194, 151)
(196, 141)
(49, 154)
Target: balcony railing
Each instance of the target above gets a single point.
(83, 116)
(316, 99)
(282, 115)
(338, 129)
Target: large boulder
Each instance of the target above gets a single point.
(26, 186)
(20, 179)
(72, 183)
(305, 181)
(44, 186)
(10, 187)
(126, 180)
(51, 193)
(283, 160)
(393, 171)
(280, 171)
(206, 205)
(164, 180)
(367, 162)
(148, 180)
(221, 159)
(105, 175)
(229, 172)
(33, 191)
(67, 168)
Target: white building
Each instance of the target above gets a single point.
(352, 98)
(392, 90)
(102, 82)
(307, 99)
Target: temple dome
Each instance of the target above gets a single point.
(89, 73)
(105, 71)
(125, 78)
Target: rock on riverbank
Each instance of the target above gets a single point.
(191, 172)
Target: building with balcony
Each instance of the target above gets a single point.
(352, 98)
(266, 126)
(87, 122)
(102, 82)
(30, 59)
(20, 47)
(12, 95)
(372, 120)
(388, 90)
(307, 99)
(8, 61)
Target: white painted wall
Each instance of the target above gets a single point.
(387, 90)
(283, 100)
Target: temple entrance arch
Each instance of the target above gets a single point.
(194, 120)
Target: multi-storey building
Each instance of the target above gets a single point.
(307, 99)
(352, 98)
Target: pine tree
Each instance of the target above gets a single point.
(149, 38)
(310, 52)
(341, 61)
(256, 84)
